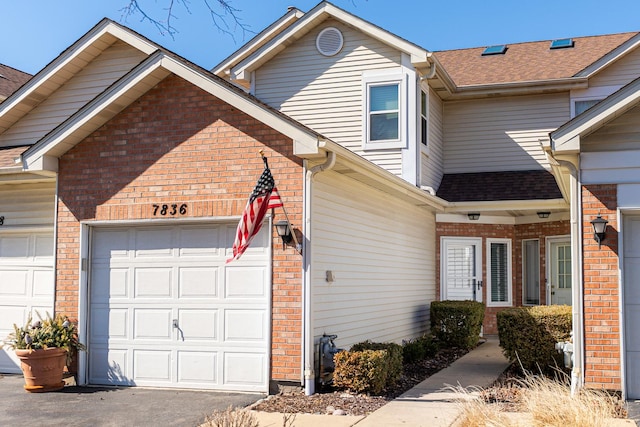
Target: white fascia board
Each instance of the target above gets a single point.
(567, 137)
(52, 141)
(253, 45)
(303, 137)
(104, 27)
(611, 57)
(506, 205)
(243, 69)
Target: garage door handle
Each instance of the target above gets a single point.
(175, 326)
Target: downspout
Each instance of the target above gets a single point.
(577, 372)
(309, 345)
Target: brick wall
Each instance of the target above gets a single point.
(517, 234)
(180, 144)
(601, 290)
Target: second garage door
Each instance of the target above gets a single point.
(166, 311)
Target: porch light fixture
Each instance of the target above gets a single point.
(283, 228)
(599, 226)
(544, 215)
(474, 216)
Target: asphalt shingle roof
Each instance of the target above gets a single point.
(526, 62)
(496, 186)
(10, 80)
(9, 155)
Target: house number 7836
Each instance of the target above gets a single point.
(173, 209)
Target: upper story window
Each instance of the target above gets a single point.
(384, 112)
(423, 118)
(582, 106)
(383, 102)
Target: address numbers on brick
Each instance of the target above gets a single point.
(170, 210)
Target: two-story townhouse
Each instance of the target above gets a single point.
(144, 163)
(472, 126)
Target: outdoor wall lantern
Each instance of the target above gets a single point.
(474, 216)
(544, 215)
(599, 226)
(283, 228)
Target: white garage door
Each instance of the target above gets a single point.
(632, 304)
(26, 284)
(167, 311)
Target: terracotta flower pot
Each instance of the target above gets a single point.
(42, 369)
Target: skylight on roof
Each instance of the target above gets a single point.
(561, 43)
(498, 49)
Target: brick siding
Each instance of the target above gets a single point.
(179, 144)
(601, 290)
(517, 233)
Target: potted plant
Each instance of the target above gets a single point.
(44, 347)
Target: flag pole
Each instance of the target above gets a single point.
(293, 234)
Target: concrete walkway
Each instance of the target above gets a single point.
(429, 404)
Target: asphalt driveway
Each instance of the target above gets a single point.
(102, 406)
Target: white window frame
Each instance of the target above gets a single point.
(592, 94)
(424, 147)
(383, 78)
(524, 274)
(509, 301)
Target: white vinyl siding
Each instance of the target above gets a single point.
(26, 258)
(325, 93)
(27, 205)
(109, 66)
(381, 252)
(490, 135)
(611, 155)
(431, 163)
(620, 72)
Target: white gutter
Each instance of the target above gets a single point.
(308, 339)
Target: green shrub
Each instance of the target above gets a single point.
(457, 323)
(363, 371)
(419, 349)
(529, 335)
(394, 357)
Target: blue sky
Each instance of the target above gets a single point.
(34, 32)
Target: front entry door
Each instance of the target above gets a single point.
(461, 269)
(559, 271)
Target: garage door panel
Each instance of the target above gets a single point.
(42, 280)
(154, 242)
(112, 244)
(153, 282)
(245, 326)
(198, 282)
(200, 324)
(198, 367)
(196, 242)
(43, 247)
(15, 247)
(109, 366)
(153, 324)
(246, 283)
(151, 365)
(109, 283)
(14, 282)
(108, 323)
(244, 370)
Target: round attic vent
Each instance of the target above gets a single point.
(329, 41)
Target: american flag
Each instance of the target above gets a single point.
(264, 197)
